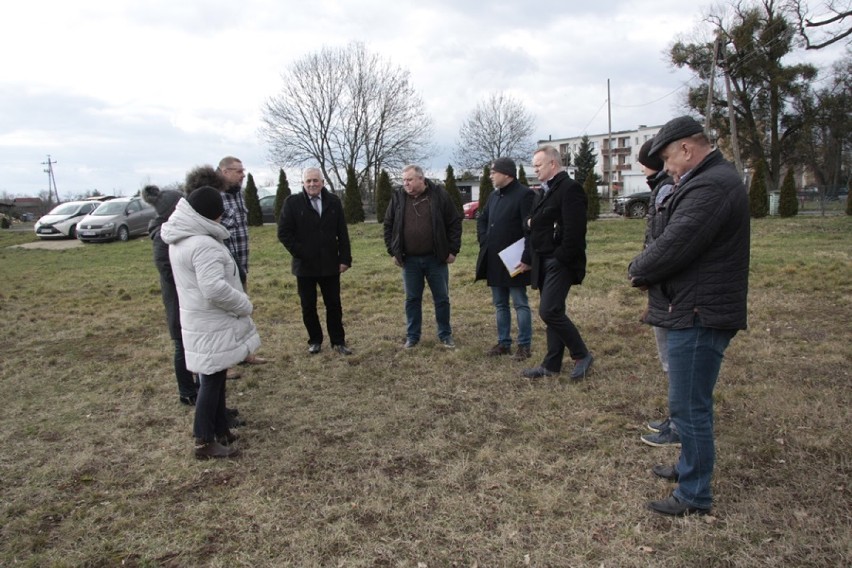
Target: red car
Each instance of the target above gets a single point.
(470, 210)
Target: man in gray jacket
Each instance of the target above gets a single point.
(695, 269)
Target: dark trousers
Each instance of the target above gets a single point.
(561, 331)
(185, 381)
(210, 417)
(330, 288)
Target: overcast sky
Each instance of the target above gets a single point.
(122, 93)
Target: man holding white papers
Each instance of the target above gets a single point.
(499, 227)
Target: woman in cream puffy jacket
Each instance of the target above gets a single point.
(215, 312)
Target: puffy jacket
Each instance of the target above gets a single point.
(697, 258)
(215, 313)
(446, 223)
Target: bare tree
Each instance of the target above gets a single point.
(819, 31)
(498, 127)
(344, 107)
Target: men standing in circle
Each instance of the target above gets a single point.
(664, 433)
(312, 227)
(557, 227)
(500, 224)
(235, 218)
(696, 272)
(423, 235)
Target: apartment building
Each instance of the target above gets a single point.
(617, 157)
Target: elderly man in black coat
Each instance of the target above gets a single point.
(501, 224)
(312, 227)
(557, 227)
(695, 269)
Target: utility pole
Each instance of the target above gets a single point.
(609, 141)
(51, 180)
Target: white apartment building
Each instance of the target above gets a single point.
(617, 157)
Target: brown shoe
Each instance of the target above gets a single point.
(254, 360)
(498, 350)
(233, 374)
(213, 450)
(522, 353)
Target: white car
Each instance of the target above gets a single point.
(62, 220)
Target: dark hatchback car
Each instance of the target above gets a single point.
(633, 205)
(267, 208)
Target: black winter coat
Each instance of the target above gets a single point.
(501, 223)
(446, 223)
(697, 261)
(557, 228)
(319, 245)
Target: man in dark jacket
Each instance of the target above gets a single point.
(313, 229)
(557, 228)
(501, 224)
(696, 272)
(423, 235)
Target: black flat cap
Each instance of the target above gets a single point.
(675, 129)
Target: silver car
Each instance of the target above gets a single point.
(116, 219)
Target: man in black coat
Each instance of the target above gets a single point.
(312, 228)
(501, 224)
(557, 228)
(695, 268)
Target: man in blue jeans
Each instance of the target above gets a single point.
(422, 231)
(695, 269)
(501, 224)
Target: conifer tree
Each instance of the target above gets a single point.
(788, 205)
(593, 208)
(384, 190)
(485, 187)
(353, 206)
(585, 161)
(758, 198)
(522, 176)
(281, 194)
(453, 189)
(255, 215)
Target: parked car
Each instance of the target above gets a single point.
(61, 222)
(267, 207)
(470, 210)
(119, 218)
(634, 205)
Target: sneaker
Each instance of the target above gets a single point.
(448, 342)
(341, 349)
(675, 507)
(213, 450)
(498, 350)
(659, 425)
(522, 353)
(538, 373)
(409, 343)
(669, 438)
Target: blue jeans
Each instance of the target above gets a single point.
(695, 357)
(416, 270)
(500, 297)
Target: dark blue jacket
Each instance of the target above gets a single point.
(501, 223)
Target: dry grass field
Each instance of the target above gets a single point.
(425, 457)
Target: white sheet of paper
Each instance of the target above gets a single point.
(511, 257)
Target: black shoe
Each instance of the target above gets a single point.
(538, 373)
(448, 342)
(675, 507)
(522, 353)
(232, 412)
(342, 349)
(498, 350)
(668, 472)
(188, 400)
(314, 348)
(582, 367)
(235, 422)
(409, 343)
(213, 450)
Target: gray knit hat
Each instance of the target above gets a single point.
(675, 129)
(163, 200)
(505, 166)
